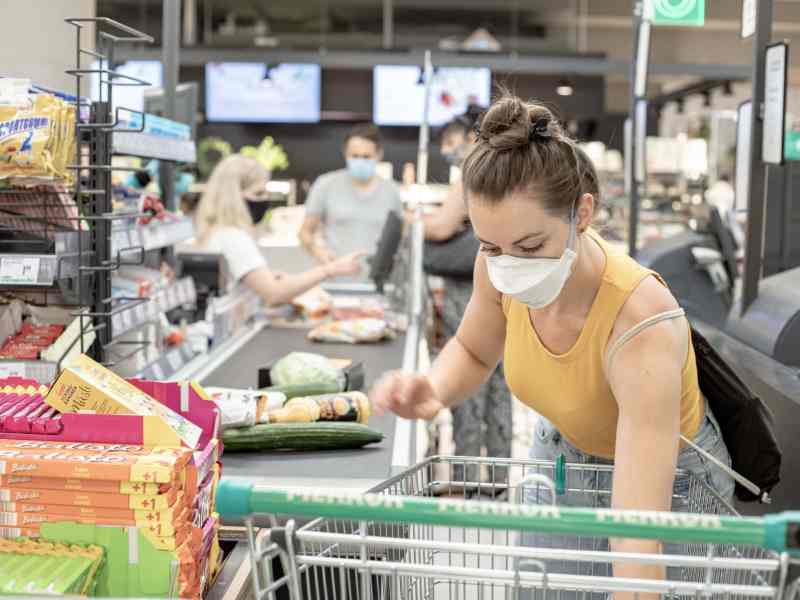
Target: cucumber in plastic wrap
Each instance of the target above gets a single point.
(300, 436)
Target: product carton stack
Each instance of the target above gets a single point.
(130, 467)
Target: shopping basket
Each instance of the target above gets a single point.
(400, 541)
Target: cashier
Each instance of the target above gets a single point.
(223, 225)
(346, 209)
(591, 340)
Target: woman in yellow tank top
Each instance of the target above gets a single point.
(590, 340)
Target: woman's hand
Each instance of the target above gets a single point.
(346, 265)
(408, 396)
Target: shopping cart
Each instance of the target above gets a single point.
(401, 541)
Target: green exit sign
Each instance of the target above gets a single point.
(678, 12)
(791, 149)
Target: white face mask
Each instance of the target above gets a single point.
(536, 282)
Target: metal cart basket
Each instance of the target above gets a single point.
(416, 537)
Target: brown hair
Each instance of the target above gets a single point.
(521, 147)
(366, 131)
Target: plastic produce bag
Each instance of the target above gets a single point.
(355, 331)
(306, 367)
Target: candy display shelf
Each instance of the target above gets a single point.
(149, 145)
(157, 234)
(169, 363)
(146, 310)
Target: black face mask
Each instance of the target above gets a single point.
(257, 208)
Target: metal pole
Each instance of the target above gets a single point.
(170, 45)
(190, 22)
(388, 24)
(583, 27)
(638, 76)
(208, 11)
(756, 202)
(424, 129)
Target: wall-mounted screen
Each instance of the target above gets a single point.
(399, 94)
(125, 95)
(259, 93)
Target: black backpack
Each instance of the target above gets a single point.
(747, 423)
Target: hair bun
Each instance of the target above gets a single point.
(511, 123)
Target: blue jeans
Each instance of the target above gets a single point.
(592, 488)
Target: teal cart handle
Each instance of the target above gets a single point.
(779, 532)
(560, 469)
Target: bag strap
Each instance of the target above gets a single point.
(659, 318)
(638, 328)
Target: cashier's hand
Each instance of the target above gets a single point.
(346, 265)
(408, 396)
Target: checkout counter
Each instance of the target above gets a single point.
(235, 364)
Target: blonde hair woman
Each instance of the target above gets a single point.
(223, 224)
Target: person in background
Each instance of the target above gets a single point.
(223, 224)
(348, 207)
(484, 420)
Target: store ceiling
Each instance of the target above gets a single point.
(533, 28)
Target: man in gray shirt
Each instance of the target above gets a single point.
(349, 206)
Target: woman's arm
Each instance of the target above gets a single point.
(463, 365)
(280, 290)
(467, 360)
(646, 378)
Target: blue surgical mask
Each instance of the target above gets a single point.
(455, 157)
(362, 169)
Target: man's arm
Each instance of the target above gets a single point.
(312, 241)
(311, 230)
(448, 219)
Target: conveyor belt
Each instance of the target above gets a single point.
(241, 371)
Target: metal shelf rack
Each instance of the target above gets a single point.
(61, 242)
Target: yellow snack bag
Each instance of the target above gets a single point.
(26, 137)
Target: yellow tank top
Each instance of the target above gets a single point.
(571, 389)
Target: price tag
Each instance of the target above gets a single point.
(174, 360)
(12, 369)
(146, 239)
(19, 269)
(158, 372)
(125, 317)
(140, 313)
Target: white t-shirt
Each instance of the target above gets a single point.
(239, 249)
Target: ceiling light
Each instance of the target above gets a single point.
(564, 88)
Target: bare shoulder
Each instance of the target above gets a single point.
(650, 298)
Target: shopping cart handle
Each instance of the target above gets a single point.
(238, 498)
(233, 498)
(782, 532)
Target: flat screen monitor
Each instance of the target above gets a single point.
(399, 94)
(128, 96)
(186, 104)
(239, 92)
